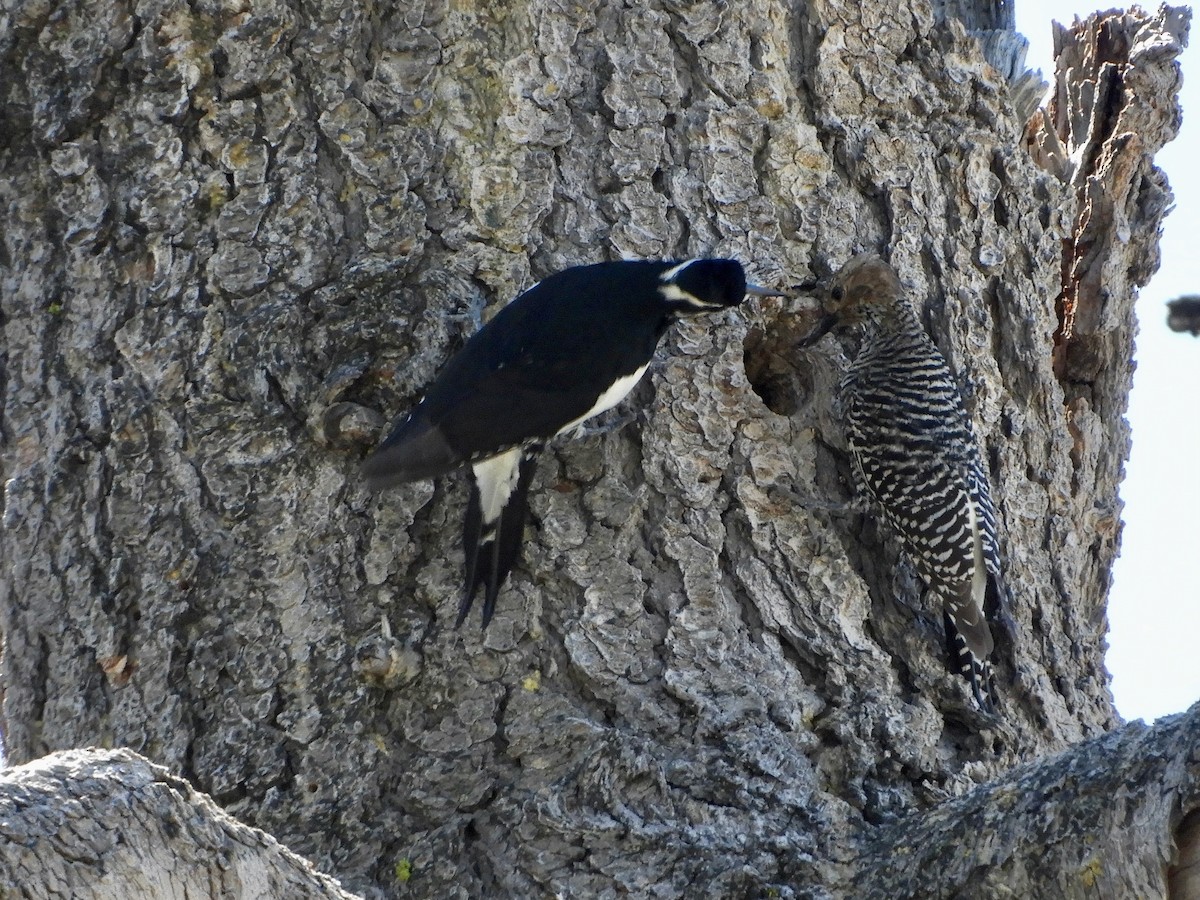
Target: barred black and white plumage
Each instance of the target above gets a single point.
(916, 455)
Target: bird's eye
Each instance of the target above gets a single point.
(838, 293)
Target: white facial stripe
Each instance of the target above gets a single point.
(675, 292)
(608, 399)
(671, 274)
(496, 478)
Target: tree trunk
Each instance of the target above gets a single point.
(239, 239)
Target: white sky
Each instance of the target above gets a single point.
(1154, 609)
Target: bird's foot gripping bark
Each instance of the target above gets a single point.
(855, 505)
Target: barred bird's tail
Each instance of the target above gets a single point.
(972, 665)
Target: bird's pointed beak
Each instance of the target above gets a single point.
(824, 326)
(757, 290)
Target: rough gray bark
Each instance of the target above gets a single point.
(90, 824)
(237, 240)
(1102, 820)
(1077, 824)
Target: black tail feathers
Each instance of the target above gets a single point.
(490, 549)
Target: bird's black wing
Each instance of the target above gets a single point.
(480, 417)
(416, 449)
(540, 364)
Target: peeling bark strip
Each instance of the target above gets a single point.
(111, 825)
(240, 237)
(1105, 121)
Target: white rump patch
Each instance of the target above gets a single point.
(496, 478)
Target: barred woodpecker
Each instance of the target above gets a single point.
(567, 349)
(915, 453)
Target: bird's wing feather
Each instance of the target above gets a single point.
(919, 478)
(415, 450)
(502, 393)
(537, 366)
(506, 411)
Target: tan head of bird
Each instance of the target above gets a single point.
(864, 290)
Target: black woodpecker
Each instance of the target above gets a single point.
(567, 349)
(915, 454)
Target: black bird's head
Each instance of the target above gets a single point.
(865, 291)
(706, 285)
